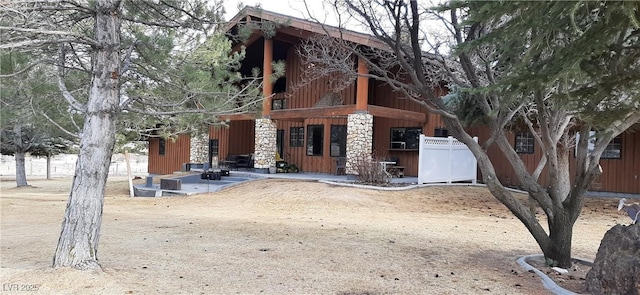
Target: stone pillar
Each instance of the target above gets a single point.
(266, 146)
(359, 139)
(199, 148)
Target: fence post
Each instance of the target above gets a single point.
(421, 155)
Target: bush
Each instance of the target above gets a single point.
(369, 170)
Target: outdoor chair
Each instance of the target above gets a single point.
(341, 165)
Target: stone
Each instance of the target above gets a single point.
(616, 269)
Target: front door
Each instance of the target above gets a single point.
(213, 152)
(280, 142)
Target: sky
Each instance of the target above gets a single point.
(326, 15)
(288, 7)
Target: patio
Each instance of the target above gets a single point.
(193, 184)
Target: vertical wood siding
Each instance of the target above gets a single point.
(305, 94)
(176, 153)
(619, 175)
(236, 138)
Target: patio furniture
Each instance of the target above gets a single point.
(341, 165)
(392, 168)
(233, 161)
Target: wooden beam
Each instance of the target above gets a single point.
(292, 114)
(362, 86)
(253, 38)
(267, 86)
(397, 114)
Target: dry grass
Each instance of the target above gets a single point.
(285, 237)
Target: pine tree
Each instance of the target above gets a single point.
(141, 59)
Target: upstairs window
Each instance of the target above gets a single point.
(524, 143)
(405, 138)
(279, 104)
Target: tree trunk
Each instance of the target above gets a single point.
(21, 174)
(560, 234)
(78, 242)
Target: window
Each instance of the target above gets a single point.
(524, 143)
(279, 104)
(214, 147)
(162, 144)
(440, 132)
(315, 140)
(280, 85)
(338, 140)
(613, 149)
(405, 138)
(296, 136)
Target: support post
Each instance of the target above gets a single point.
(362, 86)
(267, 70)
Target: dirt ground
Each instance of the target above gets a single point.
(284, 237)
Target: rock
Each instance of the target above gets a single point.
(616, 269)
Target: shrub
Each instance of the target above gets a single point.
(369, 170)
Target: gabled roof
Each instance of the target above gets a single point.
(258, 14)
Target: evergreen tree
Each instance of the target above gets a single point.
(138, 56)
(553, 67)
(23, 130)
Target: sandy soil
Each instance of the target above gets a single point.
(284, 237)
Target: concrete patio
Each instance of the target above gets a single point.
(193, 184)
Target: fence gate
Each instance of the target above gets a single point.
(445, 159)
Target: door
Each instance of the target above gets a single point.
(280, 142)
(213, 152)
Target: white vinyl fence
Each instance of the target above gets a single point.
(445, 160)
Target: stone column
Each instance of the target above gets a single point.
(359, 139)
(199, 148)
(265, 148)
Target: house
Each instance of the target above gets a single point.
(314, 125)
(620, 161)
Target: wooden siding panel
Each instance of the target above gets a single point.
(382, 138)
(236, 138)
(176, 153)
(619, 175)
(221, 133)
(622, 175)
(301, 95)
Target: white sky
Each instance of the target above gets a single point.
(294, 8)
(289, 7)
(323, 14)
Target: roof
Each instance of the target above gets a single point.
(304, 25)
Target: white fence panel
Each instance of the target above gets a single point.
(445, 160)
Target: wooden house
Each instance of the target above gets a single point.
(314, 126)
(620, 161)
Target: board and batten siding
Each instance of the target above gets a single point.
(236, 138)
(619, 175)
(305, 94)
(176, 153)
